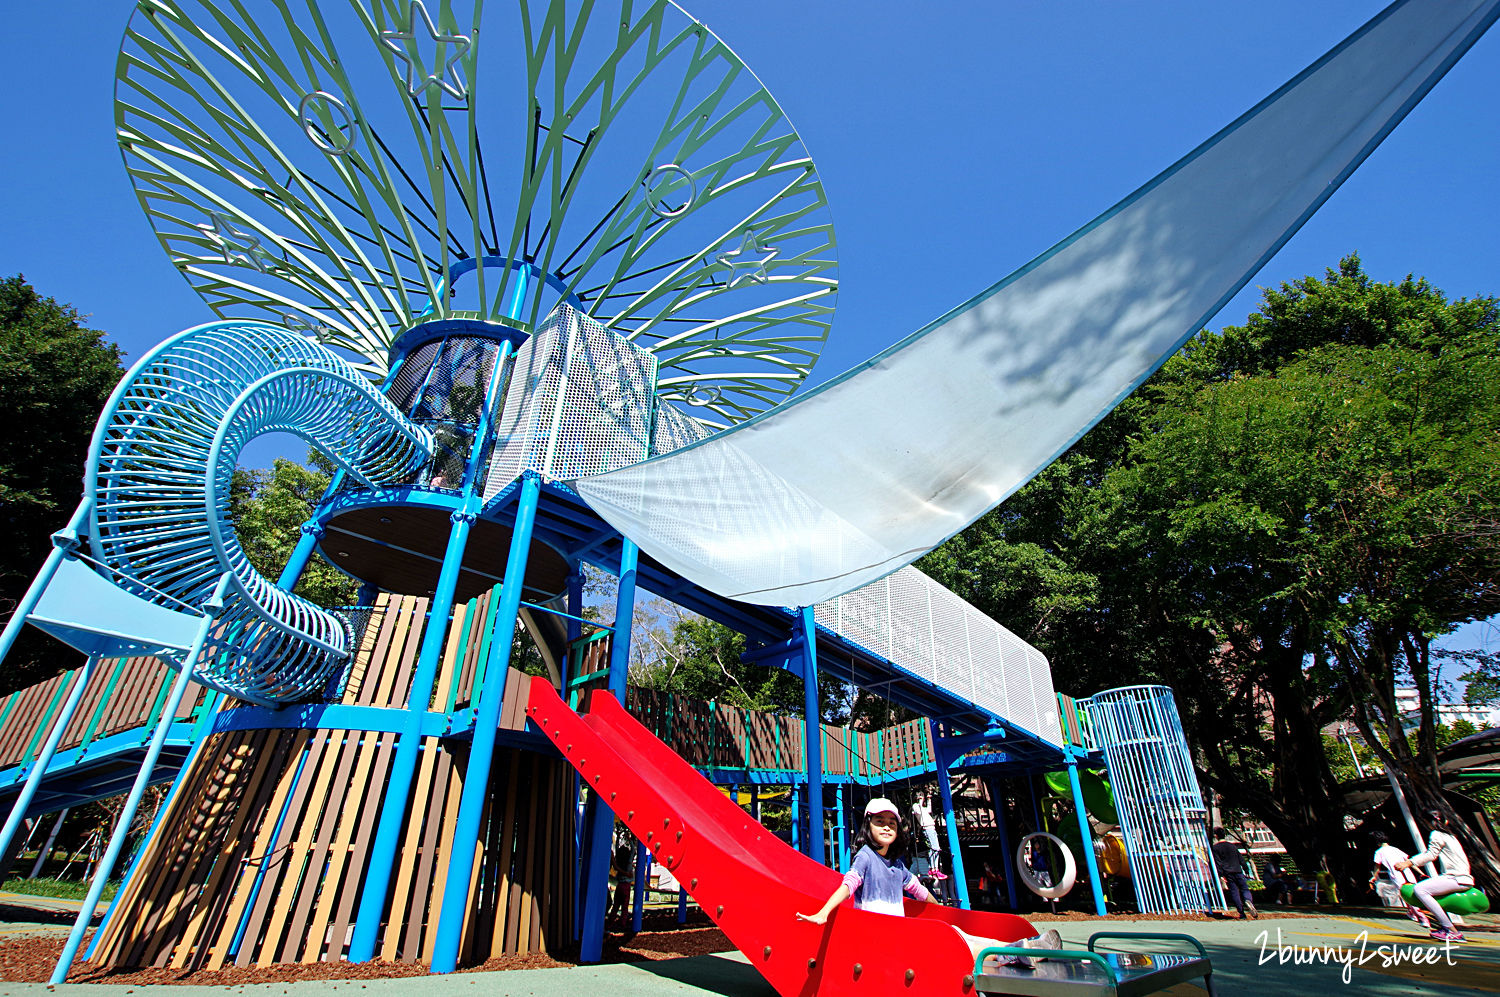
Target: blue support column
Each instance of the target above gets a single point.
(643, 861)
(486, 720)
(956, 862)
(843, 827)
(1008, 865)
(1086, 838)
(600, 823)
(681, 903)
(813, 728)
(291, 572)
(111, 855)
(64, 542)
(44, 758)
(796, 795)
(404, 765)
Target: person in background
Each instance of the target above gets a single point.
(624, 879)
(1278, 883)
(921, 813)
(1230, 863)
(1387, 858)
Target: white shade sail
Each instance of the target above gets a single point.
(870, 471)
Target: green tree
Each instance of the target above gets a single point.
(55, 376)
(1277, 526)
(268, 508)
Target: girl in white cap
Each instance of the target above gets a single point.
(877, 879)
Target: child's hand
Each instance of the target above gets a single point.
(818, 918)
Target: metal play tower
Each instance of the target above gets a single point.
(539, 282)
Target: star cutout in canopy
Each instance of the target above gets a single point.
(743, 263)
(446, 78)
(239, 247)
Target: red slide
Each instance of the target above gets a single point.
(752, 883)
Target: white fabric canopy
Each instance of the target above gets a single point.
(865, 474)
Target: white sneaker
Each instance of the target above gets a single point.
(1049, 939)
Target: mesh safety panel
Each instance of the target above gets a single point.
(579, 402)
(913, 621)
(441, 386)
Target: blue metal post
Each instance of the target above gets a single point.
(1008, 860)
(600, 821)
(404, 765)
(291, 572)
(643, 862)
(796, 795)
(956, 863)
(39, 767)
(619, 655)
(1086, 837)
(681, 903)
(64, 542)
(137, 790)
(843, 826)
(813, 727)
(265, 860)
(486, 719)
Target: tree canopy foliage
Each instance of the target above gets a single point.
(1277, 525)
(268, 508)
(55, 376)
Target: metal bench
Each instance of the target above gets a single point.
(1072, 973)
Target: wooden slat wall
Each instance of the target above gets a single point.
(717, 735)
(267, 840)
(140, 683)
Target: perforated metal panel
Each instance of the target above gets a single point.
(579, 401)
(932, 633)
(1162, 816)
(673, 430)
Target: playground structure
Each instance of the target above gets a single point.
(505, 407)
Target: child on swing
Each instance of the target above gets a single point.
(878, 877)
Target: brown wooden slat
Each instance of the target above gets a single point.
(149, 876)
(157, 938)
(406, 859)
(217, 949)
(296, 867)
(307, 892)
(432, 871)
(360, 849)
(284, 866)
(353, 802)
(382, 623)
(499, 941)
(218, 890)
(204, 857)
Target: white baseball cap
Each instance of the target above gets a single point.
(881, 805)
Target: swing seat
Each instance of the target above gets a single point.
(1076, 973)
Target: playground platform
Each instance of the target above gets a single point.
(1244, 964)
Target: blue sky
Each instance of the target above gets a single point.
(956, 141)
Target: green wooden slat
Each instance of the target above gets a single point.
(104, 700)
(44, 727)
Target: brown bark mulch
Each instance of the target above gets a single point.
(30, 959)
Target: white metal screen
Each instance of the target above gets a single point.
(913, 621)
(578, 402)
